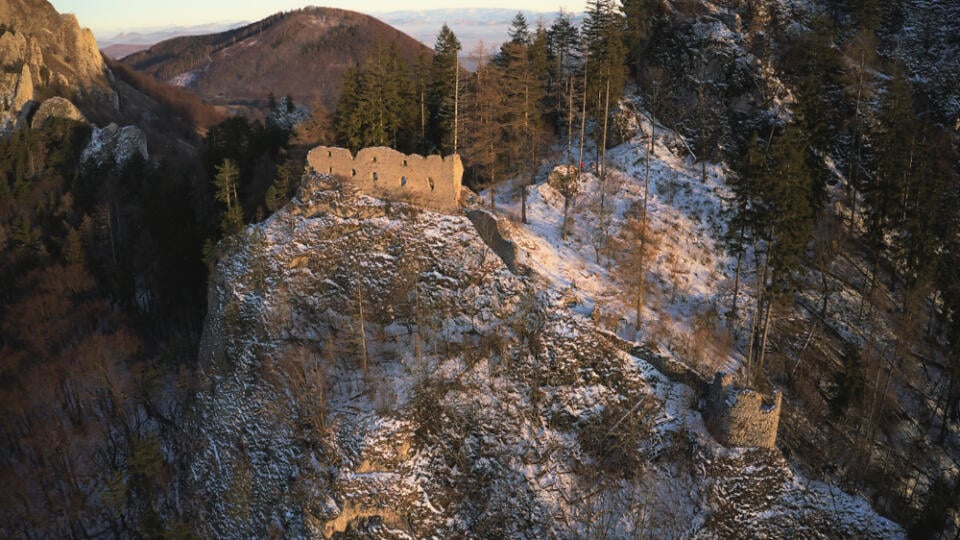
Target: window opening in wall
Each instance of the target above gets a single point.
(374, 159)
(329, 153)
(403, 180)
(375, 177)
(353, 172)
(430, 181)
(331, 170)
(404, 163)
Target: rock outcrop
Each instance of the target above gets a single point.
(40, 48)
(115, 145)
(56, 107)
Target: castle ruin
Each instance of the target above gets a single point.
(741, 417)
(432, 182)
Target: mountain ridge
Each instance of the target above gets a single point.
(241, 67)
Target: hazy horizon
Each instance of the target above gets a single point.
(107, 18)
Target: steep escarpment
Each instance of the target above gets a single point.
(371, 367)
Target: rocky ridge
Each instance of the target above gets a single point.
(44, 53)
(373, 368)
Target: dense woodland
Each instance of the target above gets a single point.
(104, 272)
(103, 268)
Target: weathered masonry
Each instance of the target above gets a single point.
(741, 417)
(432, 182)
(734, 416)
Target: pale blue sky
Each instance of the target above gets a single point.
(109, 17)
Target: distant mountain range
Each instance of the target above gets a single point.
(472, 26)
(127, 43)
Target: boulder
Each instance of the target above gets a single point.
(56, 107)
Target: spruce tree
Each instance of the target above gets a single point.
(563, 40)
(602, 33)
(484, 119)
(788, 194)
(443, 87)
(519, 32)
(885, 193)
(346, 120)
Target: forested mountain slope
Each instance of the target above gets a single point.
(303, 54)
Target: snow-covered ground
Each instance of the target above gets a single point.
(689, 277)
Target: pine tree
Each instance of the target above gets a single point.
(519, 32)
(442, 97)
(347, 121)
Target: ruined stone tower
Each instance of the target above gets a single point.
(432, 182)
(739, 416)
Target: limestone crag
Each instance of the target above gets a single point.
(115, 145)
(432, 182)
(42, 48)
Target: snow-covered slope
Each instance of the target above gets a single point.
(373, 367)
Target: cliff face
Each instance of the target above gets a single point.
(44, 53)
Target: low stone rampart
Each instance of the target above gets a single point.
(489, 230)
(735, 416)
(432, 182)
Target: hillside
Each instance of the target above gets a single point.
(302, 54)
(373, 369)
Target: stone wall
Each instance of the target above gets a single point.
(489, 230)
(735, 416)
(432, 182)
(741, 417)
